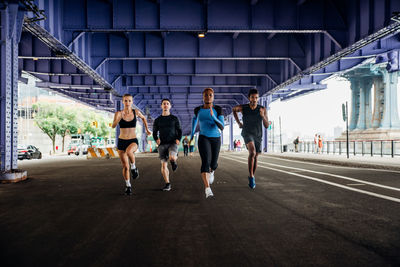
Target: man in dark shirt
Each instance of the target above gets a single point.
(167, 133)
(253, 115)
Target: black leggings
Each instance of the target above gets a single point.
(209, 152)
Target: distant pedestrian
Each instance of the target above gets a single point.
(296, 144)
(315, 148)
(239, 145)
(185, 144)
(191, 147)
(320, 144)
(234, 145)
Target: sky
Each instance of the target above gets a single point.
(314, 113)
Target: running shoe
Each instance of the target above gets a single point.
(174, 165)
(211, 179)
(252, 182)
(134, 173)
(128, 190)
(209, 193)
(167, 187)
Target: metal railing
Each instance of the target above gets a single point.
(370, 147)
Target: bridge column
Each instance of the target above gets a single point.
(231, 132)
(364, 116)
(378, 101)
(264, 144)
(355, 102)
(118, 106)
(11, 26)
(390, 119)
(144, 138)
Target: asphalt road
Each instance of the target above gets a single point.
(72, 212)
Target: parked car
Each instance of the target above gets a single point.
(29, 152)
(73, 149)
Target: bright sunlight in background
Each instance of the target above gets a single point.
(315, 113)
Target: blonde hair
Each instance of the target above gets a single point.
(208, 89)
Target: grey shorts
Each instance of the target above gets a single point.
(166, 150)
(253, 138)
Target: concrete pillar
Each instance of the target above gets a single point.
(231, 132)
(11, 26)
(268, 100)
(364, 116)
(264, 143)
(378, 101)
(355, 102)
(390, 119)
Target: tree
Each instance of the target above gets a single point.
(47, 121)
(68, 123)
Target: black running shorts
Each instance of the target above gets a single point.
(124, 143)
(252, 138)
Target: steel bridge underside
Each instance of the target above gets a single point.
(97, 50)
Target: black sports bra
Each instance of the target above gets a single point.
(128, 124)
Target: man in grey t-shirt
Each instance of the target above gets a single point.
(167, 133)
(254, 116)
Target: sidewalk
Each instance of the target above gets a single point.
(377, 162)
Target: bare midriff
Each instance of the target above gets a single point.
(127, 133)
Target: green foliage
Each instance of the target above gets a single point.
(55, 119)
(47, 120)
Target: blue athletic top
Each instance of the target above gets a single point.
(209, 125)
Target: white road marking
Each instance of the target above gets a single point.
(330, 174)
(327, 165)
(325, 182)
(355, 184)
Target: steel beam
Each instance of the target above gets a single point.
(11, 25)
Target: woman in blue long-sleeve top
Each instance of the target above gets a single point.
(211, 121)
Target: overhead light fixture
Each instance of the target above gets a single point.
(201, 34)
(35, 58)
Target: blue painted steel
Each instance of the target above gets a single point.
(11, 24)
(231, 132)
(283, 48)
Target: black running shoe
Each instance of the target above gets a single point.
(174, 165)
(167, 187)
(128, 191)
(134, 173)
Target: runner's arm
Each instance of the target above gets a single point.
(117, 118)
(140, 115)
(265, 117)
(235, 110)
(195, 120)
(178, 130)
(219, 121)
(155, 130)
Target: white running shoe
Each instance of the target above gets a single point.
(209, 193)
(211, 179)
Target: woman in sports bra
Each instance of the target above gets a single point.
(127, 141)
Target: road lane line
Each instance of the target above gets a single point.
(327, 165)
(330, 174)
(325, 182)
